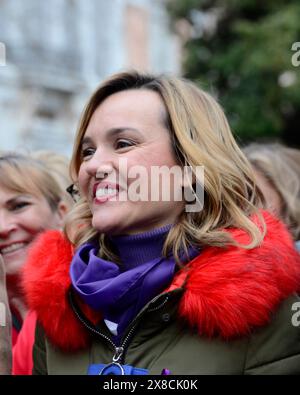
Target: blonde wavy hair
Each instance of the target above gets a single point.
(24, 173)
(201, 136)
(58, 166)
(280, 165)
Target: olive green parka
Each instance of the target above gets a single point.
(228, 311)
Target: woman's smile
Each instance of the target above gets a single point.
(104, 191)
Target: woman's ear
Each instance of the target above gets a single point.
(61, 212)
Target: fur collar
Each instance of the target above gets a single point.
(228, 291)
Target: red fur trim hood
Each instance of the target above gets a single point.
(227, 291)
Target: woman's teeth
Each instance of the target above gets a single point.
(105, 192)
(12, 248)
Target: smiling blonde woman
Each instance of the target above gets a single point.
(146, 287)
(31, 201)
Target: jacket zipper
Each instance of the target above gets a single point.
(118, 356)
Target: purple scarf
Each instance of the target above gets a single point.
(119, 292)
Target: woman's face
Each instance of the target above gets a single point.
(126, 138)
(22, 218)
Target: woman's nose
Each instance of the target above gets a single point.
(104, 170)
(100, 165)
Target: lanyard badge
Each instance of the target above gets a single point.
(116, 369)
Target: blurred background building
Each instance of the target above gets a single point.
(58, 51)
(245, 53)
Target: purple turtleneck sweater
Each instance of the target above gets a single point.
(120, 291)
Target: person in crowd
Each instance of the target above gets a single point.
(5, 326)
(58, 165)
(31, 201)
(277, 171)
(181, 275)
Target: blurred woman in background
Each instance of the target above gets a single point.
(32, 199)
(277, 171)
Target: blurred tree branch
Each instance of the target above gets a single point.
(242, 52)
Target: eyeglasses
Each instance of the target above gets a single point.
(74, 192)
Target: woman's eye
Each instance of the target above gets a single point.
(124, 144)
(87, 152)
(19, 205)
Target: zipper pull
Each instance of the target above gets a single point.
(118, 354)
